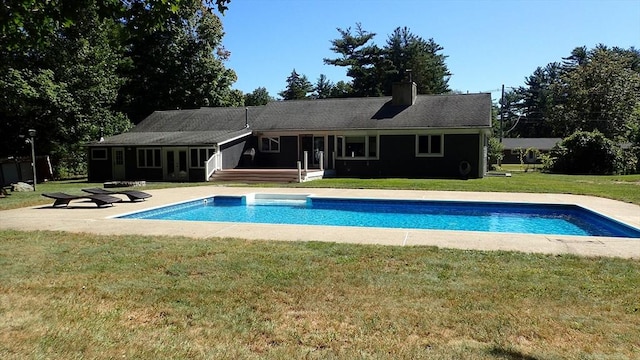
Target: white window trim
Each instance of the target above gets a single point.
(341, 138)
(145, 154)
(201, 161)
(275, 139)
(438, 154)
(94, 157)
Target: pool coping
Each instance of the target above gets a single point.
(83, 216)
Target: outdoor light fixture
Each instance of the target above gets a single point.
(30, 140)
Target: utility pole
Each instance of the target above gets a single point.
(501, 113)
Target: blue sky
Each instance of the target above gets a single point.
(488, 42)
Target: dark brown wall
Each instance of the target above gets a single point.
(99, 170)
(232, 153)
(397, 159)
(286, 158)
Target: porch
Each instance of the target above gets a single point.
(302, 173)
(270, 175)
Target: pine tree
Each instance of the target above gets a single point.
(323, 88)
(298, 87)
(407, 51)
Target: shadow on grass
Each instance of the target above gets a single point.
(509, 354)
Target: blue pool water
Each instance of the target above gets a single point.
(410, 214)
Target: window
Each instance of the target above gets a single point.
(199, 156)
(149, 158)
(355, 146)
(118, 157)
(429, 145)
(270, 144)
(99, 154)
(373, 146)
(362, 146)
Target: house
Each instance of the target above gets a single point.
(529, 148)
(405, 135)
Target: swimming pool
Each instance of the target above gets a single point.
(393, 213)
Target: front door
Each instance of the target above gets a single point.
(175, 164)
(318, 147)
(313, 145)
(117, 162)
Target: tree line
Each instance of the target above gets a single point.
(373, 69)
(592, 100)
(77, 71)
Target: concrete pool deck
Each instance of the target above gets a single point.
(84, 217)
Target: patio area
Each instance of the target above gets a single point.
(85, 217)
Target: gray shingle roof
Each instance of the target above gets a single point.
(193, 127)
(203, 119)
(173, 138)
(429, 111)
(206, 126)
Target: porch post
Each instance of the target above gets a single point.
(306, 161)
(321, 160)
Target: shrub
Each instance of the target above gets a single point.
(631, 157)
(69, 161)
(494, 152)
(587, 153)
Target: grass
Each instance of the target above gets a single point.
(622, 187)
(32, 198)
(65, 296)
(69, 296)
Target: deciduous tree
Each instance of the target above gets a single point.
(180, 65)
(259, 96)
(66, 81)
(599, 90)
(65, 62)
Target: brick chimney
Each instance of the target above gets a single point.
(404, 93)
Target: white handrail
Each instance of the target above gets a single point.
(214, 163)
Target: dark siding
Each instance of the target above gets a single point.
(232, 153)
(286, 158)
(99, 170)
(510, 158)
(397, 159)
(148, 175)
(196, 174)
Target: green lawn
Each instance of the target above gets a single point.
(67, 296)
(74, 296)
(622, 187)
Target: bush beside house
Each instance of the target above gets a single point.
(592, 153)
